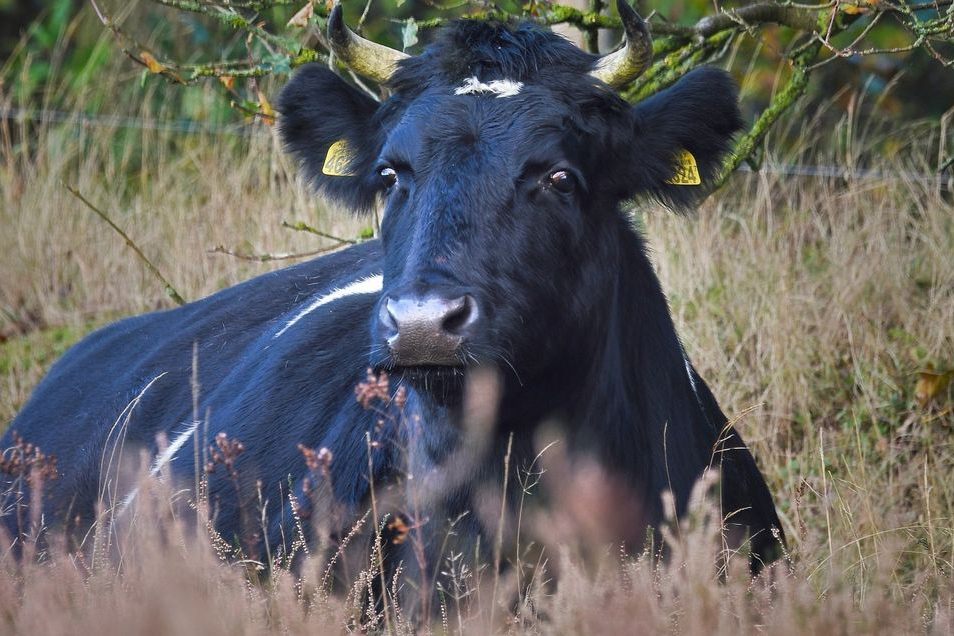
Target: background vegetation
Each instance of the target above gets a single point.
(818, 303)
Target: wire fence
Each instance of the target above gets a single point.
(94, 120)
(945, 178)
(857, 174)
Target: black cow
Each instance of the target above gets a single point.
(502, 158)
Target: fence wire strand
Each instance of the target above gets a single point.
(255, 128)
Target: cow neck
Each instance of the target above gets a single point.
(625, 395)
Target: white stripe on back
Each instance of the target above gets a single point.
(692, 380)
(171, 450)
(369, 285)
(164, 458)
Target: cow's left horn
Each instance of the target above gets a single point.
(623, 66)
(362, 56)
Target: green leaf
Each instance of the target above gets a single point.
(409, 33)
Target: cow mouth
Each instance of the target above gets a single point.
(440, 384)
(428, 371)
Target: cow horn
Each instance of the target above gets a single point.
(367, 58)
(623, 66)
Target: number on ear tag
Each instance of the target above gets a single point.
(338, 160)
(687, 172)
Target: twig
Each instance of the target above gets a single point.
(256, 5)
(593, 33)
(682, 60)
(301, 226)
(263, 117)
(800, 18)
(170, 290)
(140, 56)
(264, 258)
(377, 536)
(679, 48)
(231, 18)
(498, 543)
(795, 88)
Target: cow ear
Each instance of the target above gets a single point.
(682, 134)
(327, 125)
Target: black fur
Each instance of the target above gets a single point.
(573, 317)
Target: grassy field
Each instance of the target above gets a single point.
(810, 305)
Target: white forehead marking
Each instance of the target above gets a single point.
(368, 285)
(502, 88)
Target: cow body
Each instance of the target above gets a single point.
(502, 166)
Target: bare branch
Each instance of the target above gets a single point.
(170, 290)
(229, 15)
(785, 99)
(281, 256)
(301, 226)
(800, 18)
(812, 36)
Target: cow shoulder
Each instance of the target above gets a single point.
(147, 360)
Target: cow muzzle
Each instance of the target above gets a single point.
(429, 330)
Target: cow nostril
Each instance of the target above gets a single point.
(388, 315)
(460, 316)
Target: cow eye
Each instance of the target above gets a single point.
(562, 181)
(388, 177)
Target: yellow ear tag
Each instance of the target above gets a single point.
(338, 160)
(687, 172)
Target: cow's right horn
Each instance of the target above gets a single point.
(367, 58)
(623, 66)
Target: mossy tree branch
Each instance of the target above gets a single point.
(813, 35)
(747, 144)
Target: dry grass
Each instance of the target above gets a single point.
(809, 305)
(158, 572)
(176, 195)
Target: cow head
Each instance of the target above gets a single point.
(501, 159)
